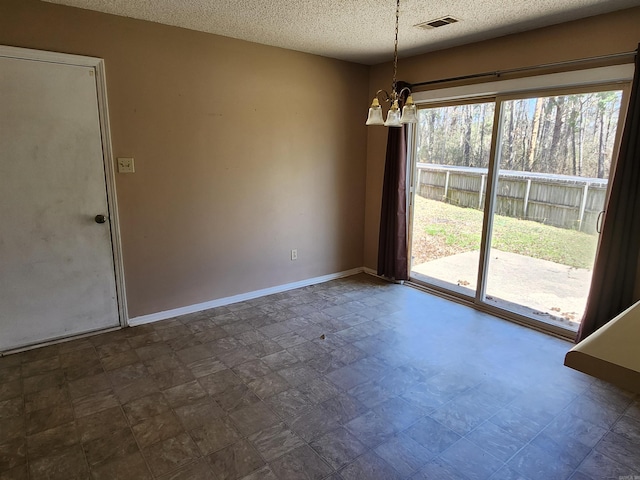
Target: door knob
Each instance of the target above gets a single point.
(100, 219)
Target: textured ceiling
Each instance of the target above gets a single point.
(355, 30)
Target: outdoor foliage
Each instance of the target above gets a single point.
(565, 135)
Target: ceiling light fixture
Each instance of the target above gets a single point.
(394, 119)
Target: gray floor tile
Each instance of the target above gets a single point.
(114, 445)
(289, 404)
(48, 441)
(170, 454)
(496, 441)
(338, 447)
(470, 460)
(568, 425)
(629, 428)
(37, 400)
(566, 450)
(598, 466)
(432, 435)
(314, 422)
(275, 441)
(154, 429)
(344, 408)
(300, 464)
(13, 454)
(184, 394)
(200, 470)
(371, 467)
(538, 464)
(405, 455)
(370, 429)
(254, 418)
(461, 415)
(399, 413)
(126, 468)
(264, 473)
(505, 473)
(148, 406)
(438, 469)
(251, 370)
(269, 385)
(319, 390)
(235, 461)
(621, 449)
(64, 464)
(215, 394)
(206, 366)
(197, 414)
(216, 434)
(100, 424)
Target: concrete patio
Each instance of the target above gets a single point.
(536, 288)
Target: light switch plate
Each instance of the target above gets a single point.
(126, 165)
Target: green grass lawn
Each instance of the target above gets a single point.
(460, 229)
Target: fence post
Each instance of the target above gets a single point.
(526, 199)
(482, 182)
(446, 185)
(583, 205)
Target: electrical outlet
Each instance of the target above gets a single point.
(294, 254)
(126, 165)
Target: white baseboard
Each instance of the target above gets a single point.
(220, 302)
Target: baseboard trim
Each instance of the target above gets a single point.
(220, 302)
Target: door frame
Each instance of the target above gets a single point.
(97, 64)
(498, 91)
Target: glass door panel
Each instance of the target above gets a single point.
(553, 167)
(452, 157)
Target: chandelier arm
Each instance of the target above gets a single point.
(404, 89)
(387, 97)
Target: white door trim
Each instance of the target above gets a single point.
(107, 153)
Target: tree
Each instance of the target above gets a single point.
(534, 136)
(563, 134)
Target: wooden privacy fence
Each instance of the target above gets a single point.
(559, 200)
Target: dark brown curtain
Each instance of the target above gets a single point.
(616, 266)
(392, 242)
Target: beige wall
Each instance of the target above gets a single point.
(242, 153)
(601, 35)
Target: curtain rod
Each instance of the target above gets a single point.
(497, 73)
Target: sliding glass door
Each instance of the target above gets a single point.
(453, 144)
(507, 197)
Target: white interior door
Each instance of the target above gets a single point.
(56, 262)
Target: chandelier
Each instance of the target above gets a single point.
(394, 119)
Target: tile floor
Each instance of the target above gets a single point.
(402, 385)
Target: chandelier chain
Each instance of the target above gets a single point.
(397, 116)
(395, 49)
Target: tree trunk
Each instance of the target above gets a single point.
(557, 134)
(467, 137)
(510, 147)
(601, 147)
(481, 162)
(534, 134)
(573, 152)
(580, 139)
